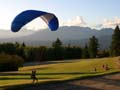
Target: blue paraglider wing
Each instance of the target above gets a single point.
(27, 16)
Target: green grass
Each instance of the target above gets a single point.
(60, 71)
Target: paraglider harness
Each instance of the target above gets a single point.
(33, 75)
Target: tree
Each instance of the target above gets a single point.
(93, 46)
(17, 44)
(57, 43)
(8, 48)
(58, 50)
(85, 53)
(40, 53)
(10, 62)
(76, 52)
(115, 44)
(30, 54)
(23, 44)
(68, 52)
(21, 52)
(72, 52)
(49, 54)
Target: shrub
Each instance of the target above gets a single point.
(10, 62)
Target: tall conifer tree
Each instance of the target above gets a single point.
(115, 44)
(93, 46)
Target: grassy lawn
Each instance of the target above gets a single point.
(60, 71)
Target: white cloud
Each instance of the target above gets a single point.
(107, 23)
(76, 21)
(96, 26)
(111, 22)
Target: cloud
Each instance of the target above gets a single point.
(76, 21)
(111, 22)
(107, 23)
(96, 26)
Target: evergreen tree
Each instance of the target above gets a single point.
(30, 54)
(20, 52)
(58, 49)
(115, 44)
(40, 53)
(8, 48)
(76, 52)
(49, 54)
(93, 46)
(23, 44)
(68, 52)
(17, 44)
(57, 43)
(85, 53)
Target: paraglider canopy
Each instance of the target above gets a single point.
(27, 16)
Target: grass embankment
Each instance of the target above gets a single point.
(60, 71)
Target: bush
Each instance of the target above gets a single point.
(10, 62)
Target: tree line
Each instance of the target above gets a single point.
(12, 55)
(59, 52)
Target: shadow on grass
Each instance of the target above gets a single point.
(20, 76)
(62, 73)
(54, 85)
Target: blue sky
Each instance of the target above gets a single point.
(77, 12)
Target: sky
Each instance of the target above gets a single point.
(90, 13)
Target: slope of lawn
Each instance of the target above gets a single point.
(60, 71)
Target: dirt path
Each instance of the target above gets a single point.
(108, 82)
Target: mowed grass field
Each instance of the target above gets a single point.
(60, 71)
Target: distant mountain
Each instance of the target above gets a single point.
(73, 35)
(9, 34)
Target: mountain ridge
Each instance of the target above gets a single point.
(69, 35)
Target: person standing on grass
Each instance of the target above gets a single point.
(33, 76)
(95, 69)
